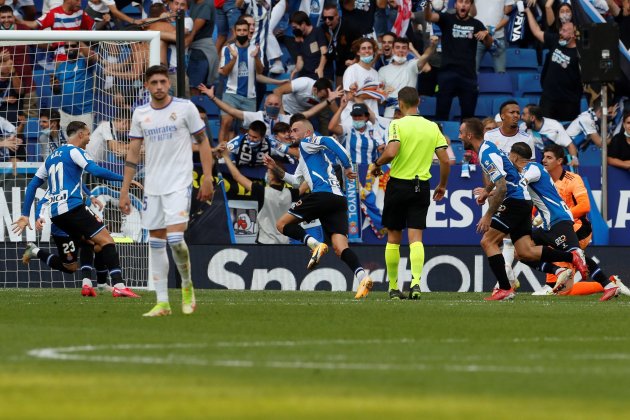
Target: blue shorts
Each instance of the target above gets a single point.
(227, 17)
(239, 102)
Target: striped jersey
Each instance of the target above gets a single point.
(242, 78)
(362, 146)
(545, 196)
(496, 165)
(315, 168)
(260, 10)
(58, 20)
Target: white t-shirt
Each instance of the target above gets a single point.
(167, 134)
(505, 143)
(551, 130)
(355, 74)
(585, 124)
(398, 76)
(249, 117)
(97, 147)
(46, 6)
(490, 12)
(301, 97)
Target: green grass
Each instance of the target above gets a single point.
(313, 355)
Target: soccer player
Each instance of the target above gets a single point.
(412, 141)
(509, 212)
(326, 201)
(63, 170)
(166, 126)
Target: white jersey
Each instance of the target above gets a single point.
(504, 143)
(301, 97)
(552, 131)
(583, 126)
(167, 134)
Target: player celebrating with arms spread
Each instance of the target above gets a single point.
(167, 125)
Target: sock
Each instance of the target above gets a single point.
(101, 269)
(586, 288)
(311, 242)
(416, 256)
(392, 259)
(112, 262)
(53, 261)
(86, 256)
(87, 282)
(295, 231)
(350, 258)
(544, 267)
(596, 272)
(36, 251)
(508, 256)
(497, 265)
(159, 268)
(181, 256)
(552, 255)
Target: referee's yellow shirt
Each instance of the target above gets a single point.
(419, 138)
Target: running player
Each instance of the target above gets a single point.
(166, 127)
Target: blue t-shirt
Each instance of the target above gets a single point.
(76, 79)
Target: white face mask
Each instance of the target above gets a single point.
(399, 60)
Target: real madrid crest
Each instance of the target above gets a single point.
(173, 116)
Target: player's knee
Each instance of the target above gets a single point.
(177, 244)
(280, 226)
(339, 249)
(71, 267)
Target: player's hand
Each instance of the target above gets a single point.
(481, 195)
(137, 185)
(95, 202)
(439, 192)
(20, 224)
(538, 220)
(350, 174)
(484, 224)
(374, 170)
(206, 191)
(256, 51)
(124, 203)
(39, 224)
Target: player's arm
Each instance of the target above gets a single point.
(206, 191)
(494, 201)
(23, 221)
(574, 155)
(236, 174)
(445, 170)
(340, 151)
(131, 166)
(209, 92)
(582, 204)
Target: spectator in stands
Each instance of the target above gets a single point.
(561, 78)
(67, 17)
(303, 93)
(9, 142)
(361, 138)
(619, 149)
(558, 13)
(360, 80)
(248, 149)
(10, 88)
(494, 15)
(489, 123)
(74, 80)
(387, 50)
(402, 72)
(99, 11)
(458, 77)
(622, 17)
(50, 134)
(586, 127)
(331, 26)
(109, 141)
(312, 47)
(115, 8)
(240, 62)
(282, 133)
(203, 59)
(227, 15)
(26, 8)
(544, 130)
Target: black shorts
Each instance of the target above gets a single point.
(403, 206)
(514, 217)
(561, 236)
(67, 249)
(331, 210)
(80, 222)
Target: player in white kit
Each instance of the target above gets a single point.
(504, 137)
(167, 126)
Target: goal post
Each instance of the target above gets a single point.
(112, 93)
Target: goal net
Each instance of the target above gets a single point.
(48, 79)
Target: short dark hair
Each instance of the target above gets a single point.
(6, 9)
(522, 149)
(322, 83)
(557, 150)
(74, 127)
(506, 103)
(393, 35)
(299, 18)
(280, 127)
(328, 6)
(474, 126)
(535, 110)
(258, 127)
(153, 70)
(401, 40)
(408, 96)
(626, 114)
(156, 9)
(51, 114)
(241, 21)
(296, 117)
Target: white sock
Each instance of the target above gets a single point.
(181, 256)
(312, 242)
(508, 256)
(360, 274)
(87, 282)
(159, 268)
(119, 286)
(36, 251)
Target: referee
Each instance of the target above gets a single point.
(411, 143)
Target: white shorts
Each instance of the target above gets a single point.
(160, 211)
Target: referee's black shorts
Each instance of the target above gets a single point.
(80, 222)
(331, 210)
(514, 217)
(561, 236)
(403, 207)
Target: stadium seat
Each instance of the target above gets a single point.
(32, 150)
(486, 65)
(496, 104)
(529, 83)
(450, 129)
(214, 124)
(427, 106)
(522, 59)
(484, 107)
(591, 156)
(458, 150)
(456, 110)
(494, 83)
(31, 131)
(205, 102)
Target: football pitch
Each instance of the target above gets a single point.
(313, 355)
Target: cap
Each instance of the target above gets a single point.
(359, 110)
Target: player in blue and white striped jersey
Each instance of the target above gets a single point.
(63, 170)
(326, 200)
(509, 211)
